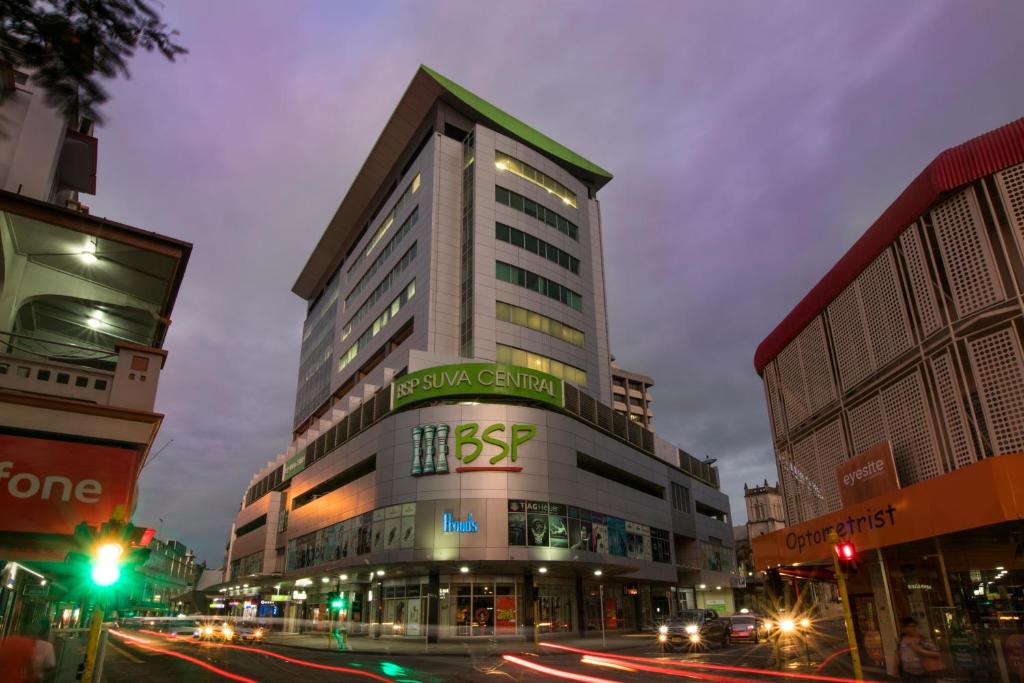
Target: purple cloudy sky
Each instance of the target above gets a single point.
(752, 143)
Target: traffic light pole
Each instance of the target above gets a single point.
(93, 646)
(844, 596)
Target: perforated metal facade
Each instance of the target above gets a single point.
(923, 348)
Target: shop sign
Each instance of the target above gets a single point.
(430, 447)
(870, 474)
(216, 605)
(278, 598)
(737, 582)
(294, 465)
(477, 379)
(298, 595)
(450, 525)
(49, 486)
(505, 614)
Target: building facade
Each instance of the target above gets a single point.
(451, 468)
(895, 390)
(85, 304)
(631, 396)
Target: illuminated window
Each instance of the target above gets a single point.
(509, 355)
(379, 291)
(535, 321)
(504, 162)
(377, 325)
(388, 221)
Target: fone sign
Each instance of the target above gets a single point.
(49, 486)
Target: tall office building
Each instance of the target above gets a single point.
(453, 431)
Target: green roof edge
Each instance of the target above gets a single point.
(515, 126)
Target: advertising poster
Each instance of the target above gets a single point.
(617, 536)
(599, 526)
(392, 533)
(505, 614)
(364, 533)
(538, 528)
(558, 531)
(408, 531)
(516, 522)
(378, 536)
(611, 617)
(645, 534)
(415, 617)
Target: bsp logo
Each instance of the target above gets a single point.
(500, 441)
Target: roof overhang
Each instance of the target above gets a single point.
(426, 88)
(957, 166)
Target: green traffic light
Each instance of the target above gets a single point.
(106, 569)
(105, 574)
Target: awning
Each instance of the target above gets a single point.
(988, 492)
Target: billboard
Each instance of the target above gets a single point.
(867, 475)
(49, 486)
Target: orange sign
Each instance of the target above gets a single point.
(49, 486)
(987, 492)
(867, 475)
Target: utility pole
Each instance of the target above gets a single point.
(847, 553)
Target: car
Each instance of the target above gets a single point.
(216, 631)
(248, 631)
(695, 628)
(747, 627)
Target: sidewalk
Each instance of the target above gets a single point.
(478, 647)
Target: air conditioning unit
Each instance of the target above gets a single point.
(76, 205)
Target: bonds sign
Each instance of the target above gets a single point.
(477, 379)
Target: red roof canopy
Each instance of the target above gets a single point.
(965, 163)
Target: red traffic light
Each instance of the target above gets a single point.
(846, 551)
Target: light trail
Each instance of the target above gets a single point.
(557, 673)
(831, 657)
(705, 665)
(268, 653)
(144, 644)
(678, 673)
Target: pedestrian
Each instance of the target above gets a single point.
(28, 658)
(919, 660)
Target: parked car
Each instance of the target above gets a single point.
(747, 627)
(695, 628)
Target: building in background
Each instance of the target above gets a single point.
(896, 395)
(85, 304)
(765, 513)
(457, 464)
(168, 580)
(631, 396)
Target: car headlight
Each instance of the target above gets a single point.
(691, 629)
(767, 626)
(259, 633)
(662, 637)
(227, 632)
(208, 631)
(694, 637)
(663, 629)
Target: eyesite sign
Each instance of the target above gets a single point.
(49, 486)
(477, 379)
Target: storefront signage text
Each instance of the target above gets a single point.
(450, 525)
(496, 442)
(477, 379)
(298, 595)
(870, 474)
(845, 528)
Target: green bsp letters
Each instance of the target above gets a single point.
(466, 440)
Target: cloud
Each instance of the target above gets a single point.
(751, 143)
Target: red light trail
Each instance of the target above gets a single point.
(557, 673)
(705, 665)
(138, 642)
(268, 653)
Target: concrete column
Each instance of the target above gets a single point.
(529, 601)
(581, 612)
(433, 611)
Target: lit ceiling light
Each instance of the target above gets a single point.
(343, 577)
(501, 165)
(464, 570)
(702, 586)
(88, 253)
(94, 320)
(543, 570)
(380, 572)
(325, 580)
(597, 572)
(999, 569)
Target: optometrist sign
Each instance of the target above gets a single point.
(477, 379)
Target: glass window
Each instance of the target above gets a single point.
(63, 378)
(519, 316)
(501, 232)
(43, 375)
(416, 183)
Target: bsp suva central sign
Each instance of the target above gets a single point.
(477, 380)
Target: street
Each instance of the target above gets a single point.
(132, 656)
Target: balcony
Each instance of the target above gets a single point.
(84, 305)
